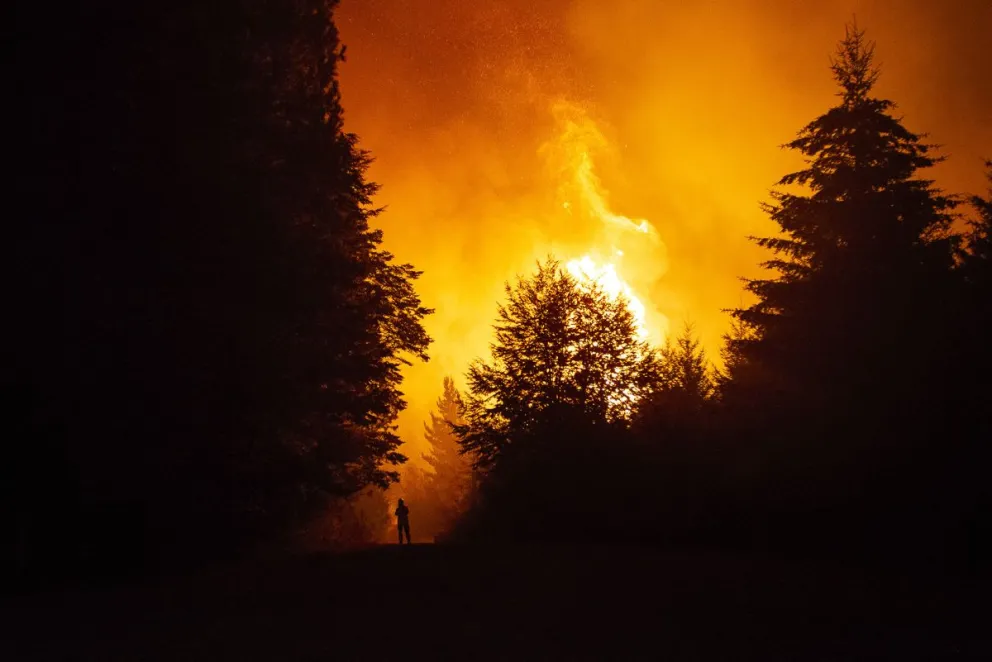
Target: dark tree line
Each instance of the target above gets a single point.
(852, 414)
(209, 334)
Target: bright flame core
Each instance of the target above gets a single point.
(585, 269)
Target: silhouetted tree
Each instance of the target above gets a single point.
(676, 444)
(732, 353)
(685, 388)
(548, 417)
(206, 282)
(452, 477)
(686, 384)
(978, 257)
(972, 388)
(685, 369)
(560, 346)
(862, 251)
(830, 385)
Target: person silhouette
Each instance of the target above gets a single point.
(403, 521)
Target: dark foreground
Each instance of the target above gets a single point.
(434, 602)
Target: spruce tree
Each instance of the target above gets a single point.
(685, 391)
(673, 428)
(452, 478)
(685, 369)
(845, 377)
(230, 329)
(316, 316)
(978, 257)
(732, 354)
(976, 316)
(864, 248)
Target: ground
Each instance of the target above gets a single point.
(510, 603)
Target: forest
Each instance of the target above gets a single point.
(209, 336)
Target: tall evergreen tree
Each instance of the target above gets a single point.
(560, 346)
(685, 369)
(845, 380)
(444, 450)
(674, 415)
(230, 330)
(452, 478)
(978, 257)
(862, 263)
(732, 353)
(976, 350)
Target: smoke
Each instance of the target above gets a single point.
(641, 134)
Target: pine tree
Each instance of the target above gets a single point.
(732, 354)
(452, 478)
(233, 330)
(318, 317)
(685, 369)
(354, 314)
(976, 350)
(562, 349)
(865, 245)
(685, 391)
(978, 258)
(846, 380)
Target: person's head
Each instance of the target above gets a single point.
(401, 502)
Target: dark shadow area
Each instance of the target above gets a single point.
(524, 602)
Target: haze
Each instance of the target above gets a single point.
(483, 115)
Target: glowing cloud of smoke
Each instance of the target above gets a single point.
(675, 114)
(570, 159)
(572, 152)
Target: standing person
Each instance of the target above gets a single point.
(403, 521)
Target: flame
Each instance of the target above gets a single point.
(586, 270)
(569, 157)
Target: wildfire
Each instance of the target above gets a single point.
(570, 156)
(585, 269)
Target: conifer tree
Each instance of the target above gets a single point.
(685, 391)
(452, 478)
(233, 329)
(978, 258)
(685, 369)
(865, 246)
(976, 350)
(732, 354)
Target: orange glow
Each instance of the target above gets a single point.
(569, 158)
(633, 139)
(586, 270)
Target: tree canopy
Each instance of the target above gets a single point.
(559, 345)
(864, 246)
